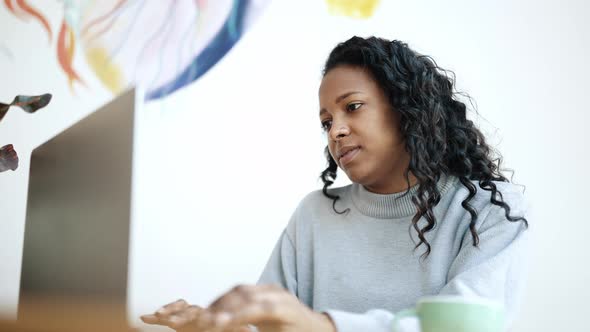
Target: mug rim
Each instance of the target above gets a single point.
(460, 300)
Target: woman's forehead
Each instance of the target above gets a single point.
(344, 79)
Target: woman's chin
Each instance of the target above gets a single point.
(355, 176)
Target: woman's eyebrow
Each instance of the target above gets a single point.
(344, 95)
(339, 98)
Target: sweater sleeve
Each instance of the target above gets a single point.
(281, 266)
(497, 267)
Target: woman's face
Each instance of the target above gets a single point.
(363, 131)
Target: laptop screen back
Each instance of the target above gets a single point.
(78, 210)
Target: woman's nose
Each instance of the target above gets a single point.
(339, 131)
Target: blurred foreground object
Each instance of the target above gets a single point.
(29, 104)
(8, 158)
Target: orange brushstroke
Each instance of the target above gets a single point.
(65, 53)
(101, 18)
(33, 12)
(8, 4)
(18, 14)
(100, 33)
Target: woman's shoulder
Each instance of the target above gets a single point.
(317, 198)
(313, 207)
(504, 191)
(507, 192)
(317, 204)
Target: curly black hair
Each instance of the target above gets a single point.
(438, 136)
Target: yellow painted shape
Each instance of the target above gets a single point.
(71, 48)
(353, 8)
(107, 71)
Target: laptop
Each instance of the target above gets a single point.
(76, 241)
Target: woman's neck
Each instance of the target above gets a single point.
(393, 185)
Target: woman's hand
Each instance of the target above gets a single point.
(269, 308)
(182, 316)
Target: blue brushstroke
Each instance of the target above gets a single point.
(225, 39)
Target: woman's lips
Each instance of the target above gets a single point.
(349, 156)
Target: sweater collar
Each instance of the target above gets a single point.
(388, 206)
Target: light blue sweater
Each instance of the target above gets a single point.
(361, 267)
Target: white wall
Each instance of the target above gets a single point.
(246, 145)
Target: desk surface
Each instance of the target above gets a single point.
(69, 314)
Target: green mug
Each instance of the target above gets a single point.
(455, 314)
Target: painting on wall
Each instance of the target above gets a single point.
(162, 45)
(353, 8)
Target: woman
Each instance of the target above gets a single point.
(428, 211)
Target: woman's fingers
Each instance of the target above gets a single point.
(149, 319)
(252, 314)
(172, 308)
(182, 318)
(242, 295)
(233, 311)
(175, 314)
(244, 305)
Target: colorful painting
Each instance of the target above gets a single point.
(162, 45)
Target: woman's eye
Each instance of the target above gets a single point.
(353, 106)
(326, 125)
